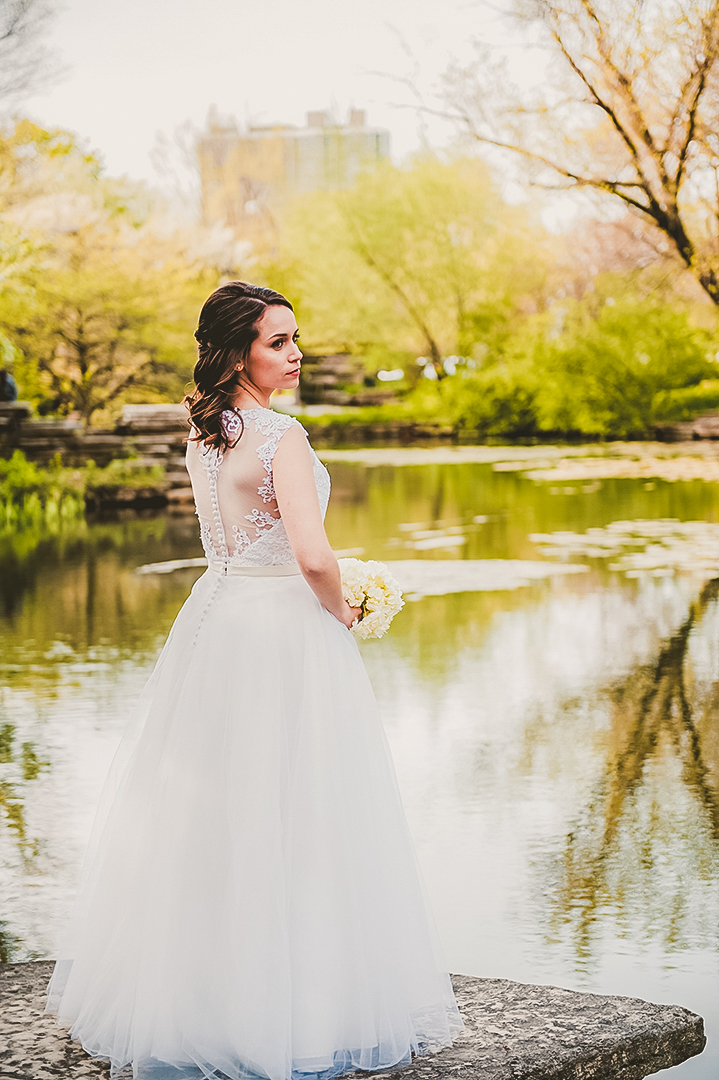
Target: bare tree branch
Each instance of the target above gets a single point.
(25, 63)
(599, 101)
(411, 309)
(653, 72)
(692, 92)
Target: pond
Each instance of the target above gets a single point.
(556, 734)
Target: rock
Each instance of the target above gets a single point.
(13, 414)
(701, 427)
(706, 427)
(182, 494)
(513, 1032)
(16, 409)
(156, 418)
(522, 1032)
(176, 479)
(101, 498)
(102, 440)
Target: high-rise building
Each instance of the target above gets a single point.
(246, 173)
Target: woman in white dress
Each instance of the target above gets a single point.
(250, 904)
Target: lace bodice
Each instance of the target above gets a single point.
(240, 522)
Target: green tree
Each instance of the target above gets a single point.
(100, 318)
(417, 260)
(599, 367)
(101, 290)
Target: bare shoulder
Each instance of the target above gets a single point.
(293, 442)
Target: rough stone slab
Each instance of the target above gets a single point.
(516, 1031)
(513, 1032)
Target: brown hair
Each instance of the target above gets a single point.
(228, 324)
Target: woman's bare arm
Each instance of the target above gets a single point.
(300, 509)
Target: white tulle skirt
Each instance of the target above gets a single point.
(251, 905)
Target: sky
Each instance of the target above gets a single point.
(133, 68)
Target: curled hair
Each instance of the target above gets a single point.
(228, 324)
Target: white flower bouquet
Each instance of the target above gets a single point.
(370, 585)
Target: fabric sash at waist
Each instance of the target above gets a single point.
(228, 569)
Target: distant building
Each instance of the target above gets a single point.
(245, 173)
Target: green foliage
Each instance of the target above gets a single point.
(498, 403)
(100, 292)
(121, 473)
(100, 296)
(408, 262)
(601, 374)
(29, 493)
(32, 766)
(590, 369)
(671, 406)
(97, 318)
(32, 496)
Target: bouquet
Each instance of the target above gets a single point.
(370, 585)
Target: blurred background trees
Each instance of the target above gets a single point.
(101, 287)
(426, 274)
(599, 367)
(630, 109)
(422, 261)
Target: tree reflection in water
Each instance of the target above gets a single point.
(648, 840)
(80, 631)
(26, 767)
(29, 767)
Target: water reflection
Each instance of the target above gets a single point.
(11, 801)
(370, 505)
(647, 842)
(24, 766)
(557, 746)
(81, 593)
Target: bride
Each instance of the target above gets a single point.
(250, 904)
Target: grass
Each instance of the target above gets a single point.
(31, 495)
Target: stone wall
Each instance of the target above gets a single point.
(340, 379)
(147, 434)
(153, 434)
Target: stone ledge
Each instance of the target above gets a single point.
(524, 1032)
(513, 1032)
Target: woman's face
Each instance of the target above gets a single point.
(274, 359)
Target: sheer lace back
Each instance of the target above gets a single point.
(240, 522)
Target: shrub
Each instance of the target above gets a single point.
(687, 402)
(501, 402)
(606, 371)
(601, 375)
(30, 494)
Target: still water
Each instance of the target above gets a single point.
(557, 742)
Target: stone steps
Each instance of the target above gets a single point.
(153, 433)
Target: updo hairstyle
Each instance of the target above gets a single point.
(228, 324)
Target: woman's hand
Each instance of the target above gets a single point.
(350, 615)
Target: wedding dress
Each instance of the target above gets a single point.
(250, 905)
